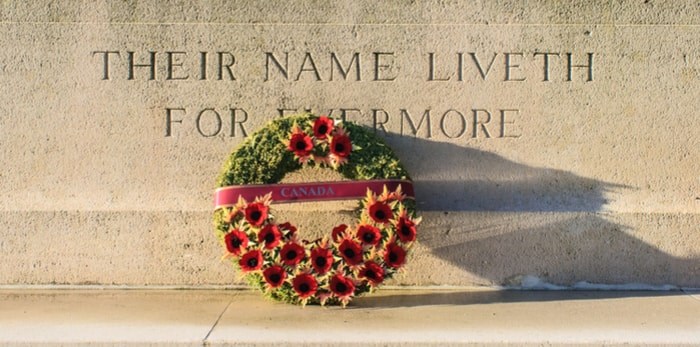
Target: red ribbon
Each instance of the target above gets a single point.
(316, 191)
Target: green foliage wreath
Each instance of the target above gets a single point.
(355, 259)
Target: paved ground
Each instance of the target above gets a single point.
(389, 317)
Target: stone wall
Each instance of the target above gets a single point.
(550, 139)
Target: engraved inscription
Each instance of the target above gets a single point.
(334, 66)
(167, 65)
(511, 68)
(450, 122)
(208, 122)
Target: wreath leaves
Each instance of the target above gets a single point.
(264, 158)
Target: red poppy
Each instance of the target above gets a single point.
(274, 276)
(341, 286)
(394, 255)
(300, 144)
(292, 253)
(305, 285)
(321, 260)
(251, 261)
(256, 213)
(380, 212)
(368, 235)
(341, 145)
(351, 251)
(235, 241)
(373, 273)
(270, 235)
(291, 230)
(406, 229)
(338, 232)
(322, 127)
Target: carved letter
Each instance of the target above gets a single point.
(234, 121)
(477, 123)
(218, 122)
(105, 59)
(545, 63)
(414, 129)
(169, 120)
(308, 58)
(570, 66)
(227, 66)
(460, 66)
(431, 69)
(271, 57)
(355, 59)
(283, 111)
(511, 66)
(377, 123)
(171, 62)
(503, 123)
(202, 66)
(462, 121)
(344, 113)
(478, 65)
(151, 65)
(379, 66)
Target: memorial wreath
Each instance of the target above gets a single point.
(353, 259)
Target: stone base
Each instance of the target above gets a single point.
(455, 248)
(551, 142)
(387, 318)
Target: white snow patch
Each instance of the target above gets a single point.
(530, 282)
(626, 286)
(533, 283)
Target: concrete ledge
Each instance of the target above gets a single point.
(389, 317)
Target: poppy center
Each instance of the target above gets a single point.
(304, 287)
(252, 262)
(321, 261)
(322, 129)
(370, 274)
(255, 215)
(380, 214)
(235, 242)
(393, 257)
(339, 147)
(368, 237)
(291, 254)
(275, 278)
(269, 238)
(340, 287)
(349, 253)
(300, 145)
(405, 230)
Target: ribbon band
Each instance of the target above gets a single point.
(315, 191)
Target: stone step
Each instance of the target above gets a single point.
(468, 248)
(111, 317)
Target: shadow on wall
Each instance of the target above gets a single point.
(454, 178)
(563, 238)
